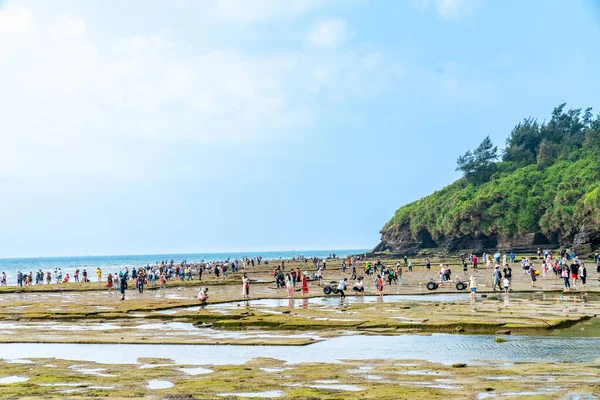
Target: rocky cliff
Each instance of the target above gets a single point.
(544, 193)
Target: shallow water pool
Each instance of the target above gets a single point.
(444, 348)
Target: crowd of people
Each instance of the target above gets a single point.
(564, 264)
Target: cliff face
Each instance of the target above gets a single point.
(402, 241)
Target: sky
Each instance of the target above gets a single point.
(145, 126)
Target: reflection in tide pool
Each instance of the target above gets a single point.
(444, 348)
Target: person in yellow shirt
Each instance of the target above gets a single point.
(99, 273)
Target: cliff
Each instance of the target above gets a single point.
(544, 192)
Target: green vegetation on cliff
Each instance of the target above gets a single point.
(547, 181)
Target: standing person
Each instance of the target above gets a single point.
(582, 274)
(405, 260)
(428, 263)
(48, 278)
(246, 286)
(409, 265)
(76, 275)
(379, 284)
(141, 280)
(84, 274)
(473, 287)
(99, 273)
(507, 271)
(399, 274)
(506, 285)
(123, 285)
(304, 285)
(391, 276)
(565, 276)
(341, 287)
(496, 278)
(475, 261)
(532, 272)
(289, 284)
(574, 272)
(109, 281)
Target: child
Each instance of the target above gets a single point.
(473, 286)
(506, 285)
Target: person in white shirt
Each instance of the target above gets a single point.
(358, 286)
(342, 286)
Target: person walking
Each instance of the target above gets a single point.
(341, 287)
(379, 284)
(532, 273)
(565, 276)
(496, 278)
(289, 284)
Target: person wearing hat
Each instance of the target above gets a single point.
(473, 286)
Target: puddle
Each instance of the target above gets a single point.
(59, 384)
(158, 384)
(336, 301)
(147, 366)
(271, 370)
(53, 326)
(168, 326)
(443, 348)
(374, 377)
(92, 371)
(418, 372)
(18, 361)
(271, 394)
(196, 371)
(523, 393)
(7, 380)
(347, 388)
(166, 312)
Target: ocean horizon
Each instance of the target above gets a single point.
(115, 263)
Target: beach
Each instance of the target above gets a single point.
(75, 339)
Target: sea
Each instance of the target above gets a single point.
(112, 264)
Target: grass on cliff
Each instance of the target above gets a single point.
(548, 181)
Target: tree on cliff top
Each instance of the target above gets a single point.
(479, 165)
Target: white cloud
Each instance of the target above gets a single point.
(79, 101)
(328, 33)
(450, 9)
(245, 11)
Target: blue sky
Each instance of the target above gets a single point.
(188, 126)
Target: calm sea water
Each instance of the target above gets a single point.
(116, 263)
